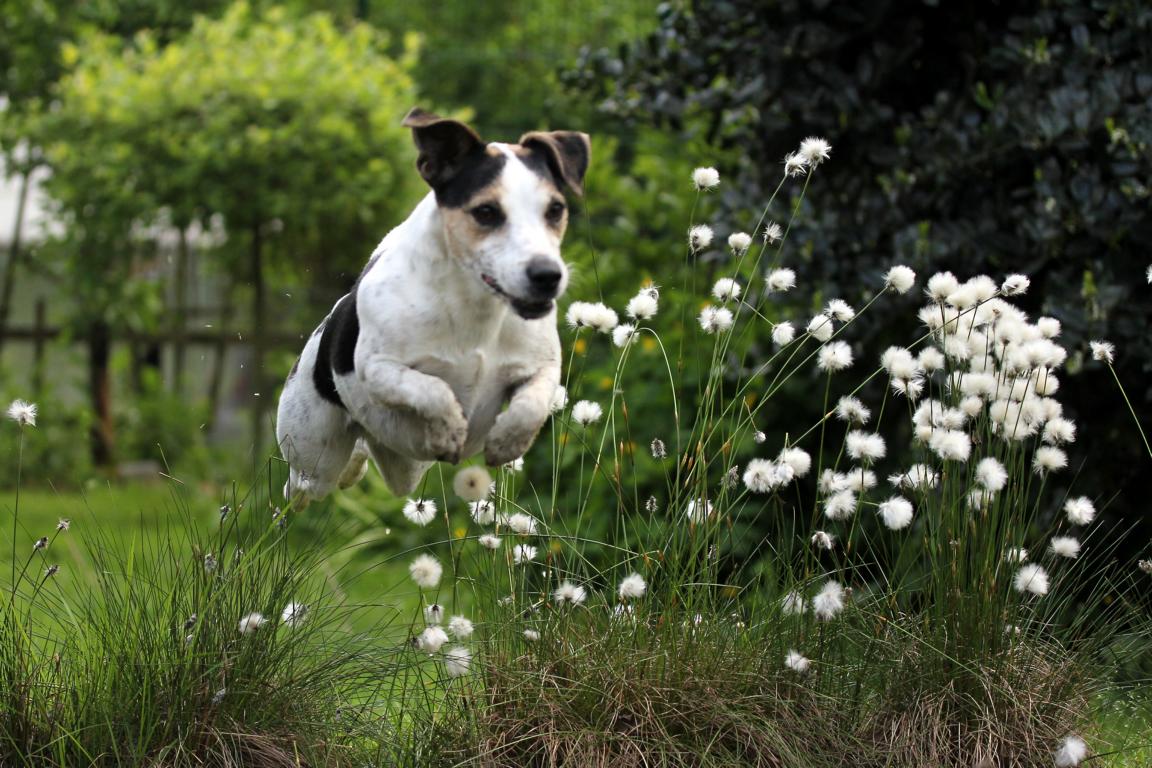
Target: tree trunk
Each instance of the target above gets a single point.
(259, 312)
(100, 393)
(9, 283)
(219, 356)
(180, 317)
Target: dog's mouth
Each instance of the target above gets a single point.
(527, 308)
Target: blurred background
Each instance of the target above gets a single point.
(188, 186)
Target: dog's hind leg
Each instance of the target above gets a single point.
(400, 473)
(356, 467)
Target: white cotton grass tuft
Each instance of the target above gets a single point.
(1065, 546)
(644, 305)
(795, 164)
(834, 356)
(489, 541)
(798, 459)
(841, 505)
(899, 279)
(1015, 285)
(457, 661)
(1031, 578)
(699, 510)
(420, 511)
(865, 447)
(739, 242)
(823, 540)
(1016, 555)
(294, 614)
(706, 178)
(1048, 459)
(432, 639)
(991, 474)
(715, 319)
(426, 571)
(829, 601)
(1072, 750)
(483, 512)
(840, 310)
(726, 289)
(624, 334)
(523, 554)
(700, 237)
(559, 399)
(781, 280)
(531, 635)
(815, 150)
(852, 411)
(252, 622)
(23, 413)
(896, 513)
(569, 594)
(1079, 510)
(763, 476)
(521, 523)
(472, 483)
(586, 412)
(1103, 351)
(433, 614)
(793, 604)
(783, 334)
(820, 327)
(773, 232)
(460, 627)
(951, 444)
(632, 586)
(941, 285)
(796, 662)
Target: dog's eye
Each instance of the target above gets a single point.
(555, 212)
(488, 215)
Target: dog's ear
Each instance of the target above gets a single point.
(443, 144)
(567, 154)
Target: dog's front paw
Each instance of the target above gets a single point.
(507, 443)
(446, 436)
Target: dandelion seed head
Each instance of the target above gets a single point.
(700, 237)
(896, 513)
(706, 178)
(586, 412)
(726, 289)
(569, 594)
(781, 280)
(1080, 510)
(1103, 351)
(796, 662)
(632, 586)
(783, 333)
(820, 327)
(899, 279)
(715, 319)
(252, 622)
(1031, 578)
(420, 511)
(829, 601)
(852, 411)
(425, 571)
(432, 639)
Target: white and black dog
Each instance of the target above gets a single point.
(453, 317)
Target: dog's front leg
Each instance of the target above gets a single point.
(439, 430)
(515, 429)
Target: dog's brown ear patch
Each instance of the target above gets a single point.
(566, 152)
(443, 143)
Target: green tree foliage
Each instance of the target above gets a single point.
(286, 129)
(1011, 137)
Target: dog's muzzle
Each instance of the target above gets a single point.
(544, 278)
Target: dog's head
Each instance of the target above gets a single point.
(503, 204)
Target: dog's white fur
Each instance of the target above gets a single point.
(440, 350)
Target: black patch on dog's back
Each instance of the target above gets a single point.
(478, 170)
(337, 350)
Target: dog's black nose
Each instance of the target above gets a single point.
(544, 275)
